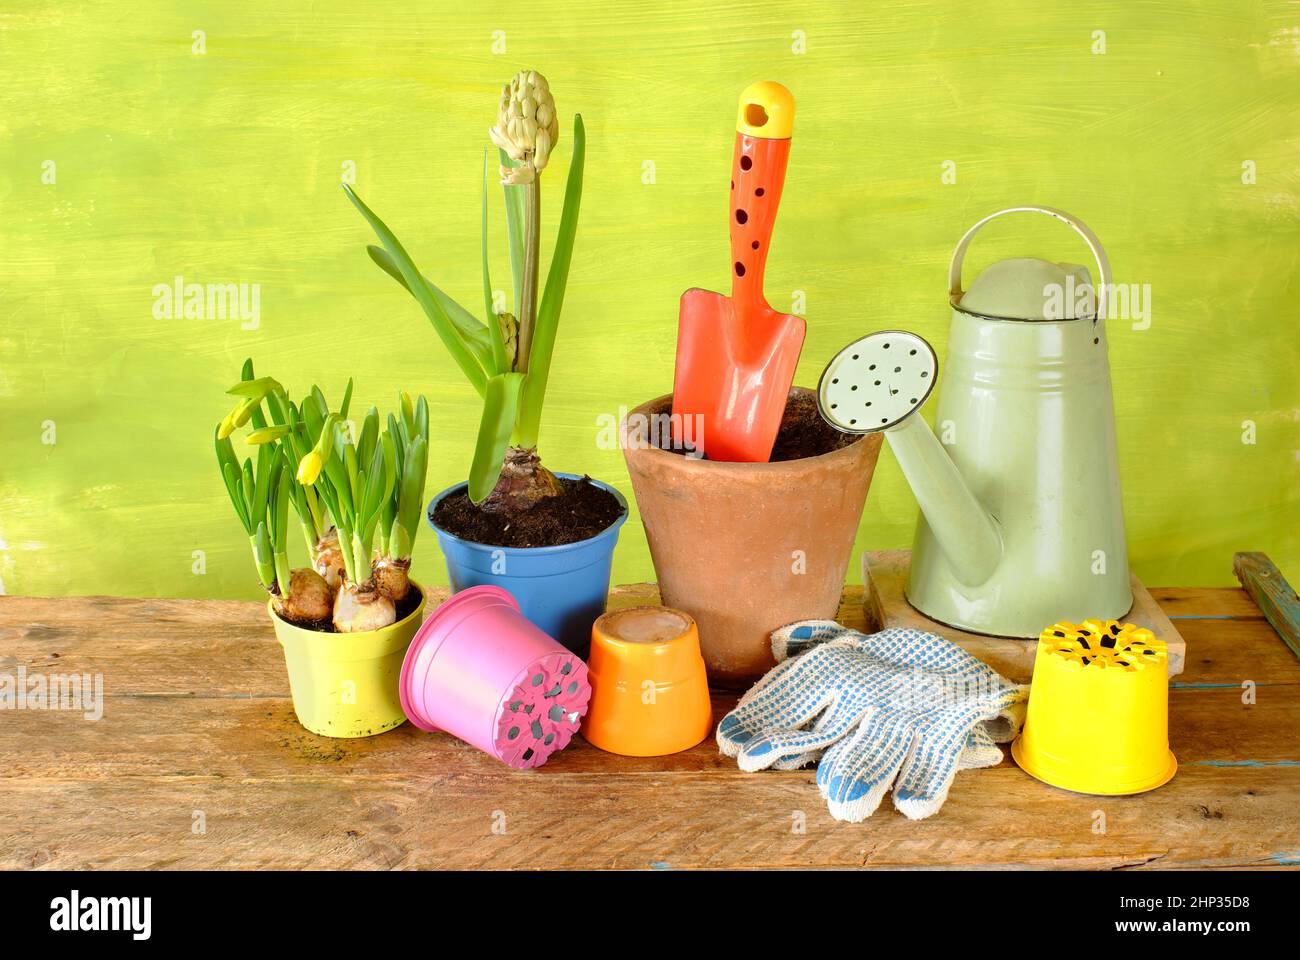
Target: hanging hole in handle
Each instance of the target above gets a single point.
(755, 115)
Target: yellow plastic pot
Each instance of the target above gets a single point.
(345, 684)
(1098, 718)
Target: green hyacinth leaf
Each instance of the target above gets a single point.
(500, 407)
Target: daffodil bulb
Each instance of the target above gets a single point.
(361, 608)
(307, 598)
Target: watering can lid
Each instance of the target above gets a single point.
(1026, 288)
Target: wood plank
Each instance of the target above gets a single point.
(1180, 603)
(1274, 596)
(181, 732)
(885, 572)
(1228, 652)
(238, 738)
(150, 646)
(199, 647)
(1206, 817)
(228, 649)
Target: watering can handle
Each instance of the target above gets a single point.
(1081, 228)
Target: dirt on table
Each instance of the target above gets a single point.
(803, 432)
(579, 513)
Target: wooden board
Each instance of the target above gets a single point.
(198, 762)
(1272, 594)
(885, 574)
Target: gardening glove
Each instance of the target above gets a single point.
(900, 708)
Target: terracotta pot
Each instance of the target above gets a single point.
(745, 548)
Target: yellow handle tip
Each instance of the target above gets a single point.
(766, 110)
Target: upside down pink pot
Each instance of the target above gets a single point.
(481, 671)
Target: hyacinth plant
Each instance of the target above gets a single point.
(344, 492)
(507, 359)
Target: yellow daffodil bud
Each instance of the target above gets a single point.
(226, 428)
(267, 434)
(242, 413)
(256, 389)
(309, 468)
(325, 445)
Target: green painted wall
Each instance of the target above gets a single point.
(224, 167)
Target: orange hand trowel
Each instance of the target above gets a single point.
(736, 355)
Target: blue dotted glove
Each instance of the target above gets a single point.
(900, 708)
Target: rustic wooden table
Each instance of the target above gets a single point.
(198, 762)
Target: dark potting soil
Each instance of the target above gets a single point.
(803, 432)
(579, 513)
(320, 626)
(408, 604)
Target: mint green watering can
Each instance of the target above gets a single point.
(1022, 524)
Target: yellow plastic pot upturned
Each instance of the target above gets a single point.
(1098, 718)
(345, 684)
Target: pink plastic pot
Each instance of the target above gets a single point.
(479, 670)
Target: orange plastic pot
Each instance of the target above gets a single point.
(649, 691)
(745, 548)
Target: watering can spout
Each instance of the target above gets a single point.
(967, 534)
(878, 384)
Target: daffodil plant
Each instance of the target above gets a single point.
(372, 487)
(403, 513)
(260, 493)
(507, 359)
(345, 493)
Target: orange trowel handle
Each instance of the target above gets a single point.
(757, 175)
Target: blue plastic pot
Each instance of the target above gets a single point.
(560, 589)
